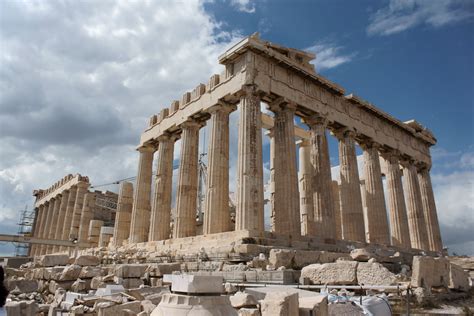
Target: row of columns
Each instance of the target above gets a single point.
(412, 210)
(309, 209)
(59, 218)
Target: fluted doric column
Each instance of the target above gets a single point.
(124, 213)
(322, 195)
(306, 188)
(397, 209)
(287, 211)
(352, 215)
(161, 207)
(249, 210)
(377, 223)
(48, 208)
(186, 195)
(62, 213)
(77, 213)
(217, 216)
(140, 222)
(429, 209)
(54, 222)
(271, 185)
(71, 200)
(416, 219)
(336, 196)
(87, 215)
(39, 228)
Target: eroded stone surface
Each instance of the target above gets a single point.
(343, 272)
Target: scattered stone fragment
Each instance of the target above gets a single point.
(54, 260)
(313, 305)
(342, 272)
(241, 299)
(374, 274)
(87, 260)
(458, 278)
(280, 304)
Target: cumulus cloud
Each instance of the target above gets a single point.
(453, 184)
(80, 79)
(329, 55)
(401, 15)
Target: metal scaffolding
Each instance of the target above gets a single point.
(25, 226)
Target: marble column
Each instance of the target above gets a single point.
(68, 216)
(48, 208)
(286, 198)
(54, 221)
(352, 215)
(397, 209)
(363, 194)
(337, 209)
(87, 215)
(77, 213)
(217, 216)
(93, 233)
(271, 185)
(124, 213)
(61, 216)
(377, 223)
(161, 208)
(306, 188)
(416, 219)
(186, 195)
(40, 227)
(429, 209)
(140, 222)
(249, 208)
(322, 195)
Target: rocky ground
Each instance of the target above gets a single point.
(106, 283)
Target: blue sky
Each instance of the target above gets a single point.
(79, 80)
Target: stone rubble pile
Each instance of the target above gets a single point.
(56, 284)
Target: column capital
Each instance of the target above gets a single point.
(343, 132)
(423, 166)
(166, 137)
(391, 155)
(147, 148)
(316, 120)
(281, 105)
(191, 124)
(408, 162)
(249, 89)
(221, 107)
(369, 144)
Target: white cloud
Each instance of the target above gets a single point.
(401, 15)
(247, 6)
(329, 55)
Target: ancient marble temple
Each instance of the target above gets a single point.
(306, 203)
(305, 200)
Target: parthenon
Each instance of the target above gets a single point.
(283, 78)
